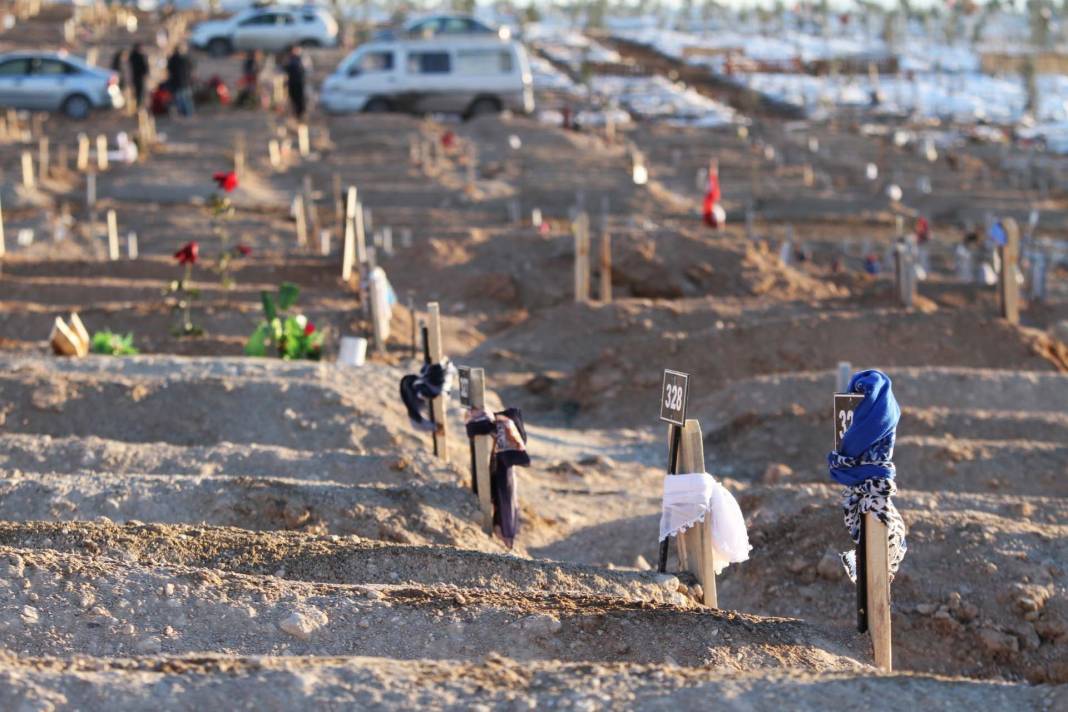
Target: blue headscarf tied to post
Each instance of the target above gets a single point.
(864, 465)
(867, 448)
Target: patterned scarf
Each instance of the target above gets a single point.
(864, 465)
(509, 452)
(873, 496)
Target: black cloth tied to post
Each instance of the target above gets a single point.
(509, 452)
(418, 391)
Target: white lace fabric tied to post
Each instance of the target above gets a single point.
(689, 499)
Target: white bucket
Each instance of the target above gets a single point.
(353, 351)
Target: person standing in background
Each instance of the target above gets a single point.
(294, 69)
(180, 78)
(138, 73)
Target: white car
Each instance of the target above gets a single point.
(52, 81)
(467, 76)
(266, 28)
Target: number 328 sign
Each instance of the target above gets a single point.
(673, 397)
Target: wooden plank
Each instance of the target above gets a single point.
(580, 228)
(1010, 288)
(83, 153)
(348, 250)
(101, 152)
(438, 404)
(877, 550)
(606, 266)
(28, 180)
(3, 240)
(483, 447)
(113, 236)
(302, 223)
(698, 544)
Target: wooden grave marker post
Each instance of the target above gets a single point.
(378, 296)
(131, 245)
(1008, 287)
(274, 154)
(113, 236)
(873, 555)
(301, 220)
(82, 163)
(695, 544)
(303, 141)
(473, 395)
(348, 249)
(606, 266)
(437, 355)
(361, 256)
(3, 241)
(43, 158)
(102, 152)
(580, 227)
(28, 180)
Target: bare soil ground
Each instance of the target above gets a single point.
(191, 527)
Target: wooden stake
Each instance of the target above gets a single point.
(83, 153)
(131, 245)
(606, 266)
(113, 236)
(483, 445)
(3, 241)
(28, 181)
(1009, 288)
(845, 372)
(348, 249)
(580, 227)
(303, 141)
(437, 405)
(695, 544)
(274, 154)
(42, 157)
(302, 224)
(102, 152)
(877, 570)
(90, 191)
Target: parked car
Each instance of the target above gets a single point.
(266, 28)
(464, 76)
(52, 81)
(428, 27)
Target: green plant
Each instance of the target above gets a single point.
(112, 344)
(290, 336)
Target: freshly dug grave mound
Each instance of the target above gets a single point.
(207, 681)
(432, 513)
(303, 406)
(611, 365)
(969, 430)
(100, 606)
(93, 455)
(332, 559)
(980, 593)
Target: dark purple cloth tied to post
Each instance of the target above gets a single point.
(417, 391)
(509, 452)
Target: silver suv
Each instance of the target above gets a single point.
(51, 81)
(266, 28)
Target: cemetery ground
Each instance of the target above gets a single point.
(191, 527)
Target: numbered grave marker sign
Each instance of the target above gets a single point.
(673, 397)
(465, 385)
(844, 405)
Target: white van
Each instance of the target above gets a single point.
(459, 75)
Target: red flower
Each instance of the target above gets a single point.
(226, 180)
(309, 329)
(712, 197)
(448, 139)
(244, 250)
(188, 254)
